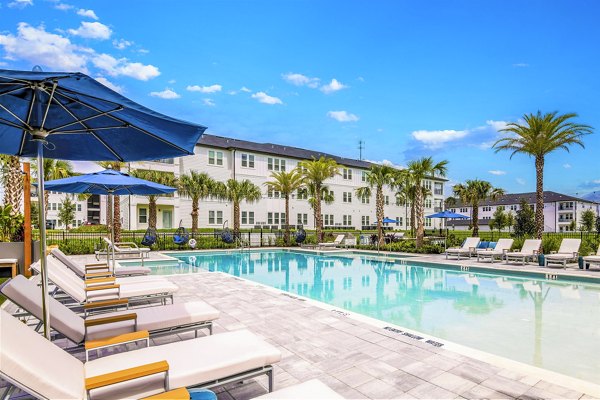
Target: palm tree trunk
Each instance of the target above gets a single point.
(539, 196)
(475, 214)
(152, 211)
(286, 235)
(419, 208)
(46, 197)
(236, 219)
(412, 218)
(194, 214)
(117, 218)
(318, 216)
(13, 191)
(379, 214)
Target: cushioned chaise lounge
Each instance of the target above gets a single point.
(158, 321)
(44, 370)
(529, 251)
(100, 269)
(123, 249)
(337, 242)
(593, 259)
(106, 288)
(568, 251)
(502, 247)
(467, 249)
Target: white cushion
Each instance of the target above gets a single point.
(37, 364)
(309, 390)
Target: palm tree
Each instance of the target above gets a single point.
(286, 183)
(162, 177)
(196, 186)
(405, 194)
(53, 169)
(418, 171)
(315, 173)
(472, 192)
(115, 204)
(236, 192)
(12, 181)
(538, 136)
(377, 177)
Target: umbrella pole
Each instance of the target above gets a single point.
(42, 227)
(112, 230)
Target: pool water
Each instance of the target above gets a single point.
(549, 324)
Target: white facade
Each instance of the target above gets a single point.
(83, 209)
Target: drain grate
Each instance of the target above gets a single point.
(413, 336)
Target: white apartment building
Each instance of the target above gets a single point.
(225, 158)
(559, 210)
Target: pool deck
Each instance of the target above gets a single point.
(355, 357)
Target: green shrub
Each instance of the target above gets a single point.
(91, 228)
(550, 244)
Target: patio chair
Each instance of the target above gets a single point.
(568, 251)
(592, 259)
(529, 251)
(99, 332)
(502, 247)
(468, 248)
(123, 249)
(99, 269)
(336, 243)
(105, 289)
(44, 370)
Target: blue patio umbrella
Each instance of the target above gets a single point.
(71, 116)
(447, 215)
(108, 182)
(387, 220)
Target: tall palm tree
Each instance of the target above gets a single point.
(113, 207)
(12, 181)
(236, 192)
(53, 169)
(286, 183)
(315, 173)
(405, 194)
(377, 177)
(418, 171)
(196, 186)
(162, 177)
(538, 136)
(472, 192)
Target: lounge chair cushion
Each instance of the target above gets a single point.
(26, 357)
(313, 389)
(191, 362)
(80, 271)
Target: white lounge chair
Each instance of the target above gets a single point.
(106, 289)
(592, 259)
(101, 269)
(502, 247)
(337, 242)
(126, 249)
(42, 369)
(568, 251)
(530, 250)
(157, 321)
(468, 248)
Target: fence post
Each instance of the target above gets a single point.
(261, 237)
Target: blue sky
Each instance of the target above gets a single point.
(410, 78)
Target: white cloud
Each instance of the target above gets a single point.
(92, 30)
(301, 80)
(333, 86)
(567, 166)
(166, 94)
(121, 44)
(20, 3)
(87, 13)
(521, 65)
(436, 139)
(387, 162)
(497, 172)
(342, 116)
(208, 102)
(245, 89)
(110, 85)
(204, 89)
(497, 125)
(484, 136)
(143, 51)
(521, 181)
(122, 66)
(37, 46)
(172, 81)
(264, 98)
(63, 7)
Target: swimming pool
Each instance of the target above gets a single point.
(549, 324)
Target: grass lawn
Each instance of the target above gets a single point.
(2, 298)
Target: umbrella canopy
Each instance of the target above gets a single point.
(70, 116)
(447, 215)
(387, 220)
(108, 182)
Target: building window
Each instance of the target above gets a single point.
(438, 189)
(275, 164)
(215, 157)
(78, 207)
(347, 220)
(365, 220)
(365, 200)
(364, 176)
(302, 194)
(387, 200)
(514, 207)
(273, 194)
(347, 173)
(464, 210)
(428, 222)
(142, 216)
(60, 206)
(428, 203)
(215, 217)
(248, 217)
(398, 221)
(273, 218)
(347, 197)
(247, 160)
(302, 219)
(328, 219)
(486, 208)
(427, 185)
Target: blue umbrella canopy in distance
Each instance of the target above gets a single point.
(387, 220)
(447, 215)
